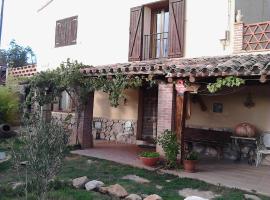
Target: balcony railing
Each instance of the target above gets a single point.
(155, 46)
(256, 37)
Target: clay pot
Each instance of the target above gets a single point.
(245, 130)
(149, 161)
(190, 165)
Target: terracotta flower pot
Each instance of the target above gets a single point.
(190, 165)
(149, 161)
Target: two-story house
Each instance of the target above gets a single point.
(174, 41)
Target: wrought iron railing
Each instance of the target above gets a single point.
(256, 37)
(155, 46)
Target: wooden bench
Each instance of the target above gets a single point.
(213, 138)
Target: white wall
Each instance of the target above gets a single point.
(103, 30)
(206, 23)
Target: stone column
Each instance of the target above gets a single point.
(165, 110)
(46, 113)
(85, 127)
(238, 37)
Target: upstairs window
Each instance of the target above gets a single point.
(159, 34)
(66, 31)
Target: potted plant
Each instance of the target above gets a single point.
(149, 158)
(190, 161)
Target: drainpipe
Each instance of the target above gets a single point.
(1, 20)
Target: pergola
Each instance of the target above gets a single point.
(172, 89)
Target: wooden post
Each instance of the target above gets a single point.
(85, 127)
(180, 112)
(140, 115)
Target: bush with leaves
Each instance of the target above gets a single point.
(43, 150)
(9, 105)
(230, 81)
(168, 141)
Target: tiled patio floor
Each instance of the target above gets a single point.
(234, 175)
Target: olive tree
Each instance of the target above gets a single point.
(43, 150)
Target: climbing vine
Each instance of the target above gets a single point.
(230, 81)
(46, 87)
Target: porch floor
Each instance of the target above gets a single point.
(230, 174)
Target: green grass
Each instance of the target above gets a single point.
(111, 173)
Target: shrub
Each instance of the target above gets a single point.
(168, 141)
(43, 150)
(9, 105)
(147, 154)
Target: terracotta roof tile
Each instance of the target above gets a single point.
(181, 67)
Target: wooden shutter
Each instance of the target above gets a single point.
(66, 31)
(58, 34)
(73, 31)
(135, 34)
(176, 28)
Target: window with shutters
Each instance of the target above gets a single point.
(66, 31)
(157, 30)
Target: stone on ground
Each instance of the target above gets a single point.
(188, 192)
(153, 197)
(17, 185)
(251, 197)
(79, 182)
(91, 185)
(159, 187)
(136, 179)
(90, 162)
(133, 197)
(195, 198)
(114, 190)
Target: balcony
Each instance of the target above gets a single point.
(155, 46)
(256, 36)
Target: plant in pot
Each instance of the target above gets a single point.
(170, 146)
(190, 161)
(149, 158)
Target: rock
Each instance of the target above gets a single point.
(90, 162)
(16, 185)
(79, 182)
(159, 187)
(251, 197)
(133, 197)
(114, 190)
(212, 152)
(189, 192)
(136, 179)
(153, 197)
(91, 185)
(194, 198)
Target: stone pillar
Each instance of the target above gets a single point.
(238, 37)
(85, 127)
(165, 110)
(46, 113)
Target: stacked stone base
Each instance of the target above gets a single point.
(122, 131)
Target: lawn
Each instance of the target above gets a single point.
(112, 173)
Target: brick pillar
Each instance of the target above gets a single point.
(238, 37)
(85, 127)
(165, 110)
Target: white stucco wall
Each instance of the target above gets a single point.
(103, 30)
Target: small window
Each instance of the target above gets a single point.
(66, 31)
(217, 107)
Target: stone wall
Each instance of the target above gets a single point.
(122, 131)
